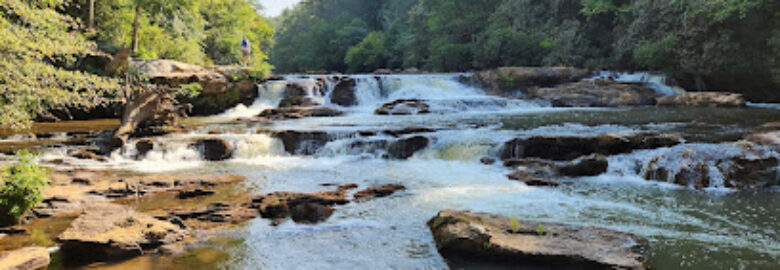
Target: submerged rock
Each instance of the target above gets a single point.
(214, 149)
(404, 107)
(298, 102)
(704, 99)
(29, 258)
(406, 148)
(508, 79)
(143, 147)
(377, 192)
(596, 94)
(344, 93)
(492, 238)
(572, 147)
(109, 232)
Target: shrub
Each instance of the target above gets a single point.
(20, 188)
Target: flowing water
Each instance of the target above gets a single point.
(715, 228)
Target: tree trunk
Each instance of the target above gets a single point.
(91, 14)
(134, 45)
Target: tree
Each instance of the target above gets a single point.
(368, 55)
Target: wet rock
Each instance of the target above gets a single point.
(404, 107)
(596, 94)
(87, 153)
(735, 165)
(29, 258)
(505, 80)
(571, 147)
(214, 149)
(222, 99)
(189, 194)
(770, 138)
(302, 142)
(110, 232)
(310, 213)
(408, 130)
(348, 186)
(592, 165)
(174, 74)
(406, 148)
(280, 205)
(703, 99)
(487, 160)
(298, 102)
(143, 147)
(521, 243)
(13, 230)
(344, 93)
(532, 179)
(377, 192)
(300, 112)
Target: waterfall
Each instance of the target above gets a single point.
(657, 82)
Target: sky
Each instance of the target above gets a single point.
(275, 7)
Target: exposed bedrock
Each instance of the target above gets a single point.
(507, 80)
(492, 239)
(572, 147)
(595, 94)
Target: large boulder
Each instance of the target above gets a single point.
(591, 165)
(216, 101)
(595, 94)
(174, 74)
(404, 107)
(344, 93)
(704, 99)
(111, 232)
(505, 80)
(29, 258)
(520, 243)
(406, 148)
(572, 147)
(302, 142)
(214, 149)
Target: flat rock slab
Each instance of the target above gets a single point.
(109, 231)
(494, 238)
(29, 258)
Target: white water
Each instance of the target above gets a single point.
(653, 80)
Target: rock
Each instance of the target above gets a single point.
(347, 186)
(148, 112)
(406, 148)
(572, 147)
(189, 194)
(13, 230)
(110, 232)
(280, 205)
(592, 165)
(29, 258)
(520, 243)
(174, 74)
(377, 192)
(732, 165)
(487, 160)
(404, 107)
(596, 94)
(703, 99)
(143, 147)
(86, 153)
(532, 179)
(220, 100)
(310, 213)
(770, 138)
(302, 142)
(408, 130)
(344, 93)
(505, 80)
(298, 102)
(300, 112)
(214, 149)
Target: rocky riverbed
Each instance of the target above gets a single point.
(546, 167)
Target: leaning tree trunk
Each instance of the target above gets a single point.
(134, 45)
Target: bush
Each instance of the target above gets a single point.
(20, 188)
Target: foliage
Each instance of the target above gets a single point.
(540, 229)
(34, 37)
(369, 54)
(22, 183)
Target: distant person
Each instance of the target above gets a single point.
(246, 51)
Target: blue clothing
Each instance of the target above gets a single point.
(245, 44)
